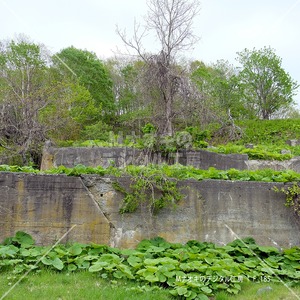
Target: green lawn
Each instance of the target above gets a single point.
(263, 291)
(49, 285)
(85, 285)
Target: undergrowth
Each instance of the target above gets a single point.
(163, 171)
(195, 270)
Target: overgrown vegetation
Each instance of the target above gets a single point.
(261, 140)
(163, 171)
(196, 270)
(156, 189)
(171, 104)
(292, 194)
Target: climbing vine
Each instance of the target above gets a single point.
(292, 197)
(156, 189)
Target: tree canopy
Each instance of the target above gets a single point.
(73, 95)
(266, 86)
(91, 73)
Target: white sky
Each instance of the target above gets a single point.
(225, 26)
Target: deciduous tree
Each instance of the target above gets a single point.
(85, 67)
(267, 87)
(164, 81)
(24, 93)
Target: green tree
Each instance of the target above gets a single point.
(91, 73)
(37, 102)
(24, 93)
(266, 86)
(70, 112)
(218, 83)
(132, 111)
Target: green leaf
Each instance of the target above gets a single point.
(75, 250)
(24, 239)
(46, 261)
(57, 263)
(152, 278)
(250, 263)
(181, 290)
(118, 274)
(134, 261)
(8, 251)
(72, 267)
(98, 266)
(206, 290)
(202, 297)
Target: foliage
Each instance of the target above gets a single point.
(71, 111)
(99, 131)
(268, 138)
(131, 111)
(257, 152)
(292, 194)
(24, 91)
(218, 83)
(148, 185)
(265, 84)
(176, 171)
(90, 73)
(149, 128)
(195, 270)
(268, 132)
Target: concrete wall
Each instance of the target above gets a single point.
(47, 206)
(120, 157)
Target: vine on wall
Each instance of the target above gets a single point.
(292, 197)
(158, 190)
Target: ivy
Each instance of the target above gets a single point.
(156, 189)
(292, 197)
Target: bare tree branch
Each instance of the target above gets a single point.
(171, 21)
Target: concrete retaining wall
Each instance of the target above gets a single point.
(48, 206)
(120, 157)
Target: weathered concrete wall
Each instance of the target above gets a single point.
(291, 164)
(120, 157)
(98, 156)
(47, 206)
(202, 159)
(210, 210)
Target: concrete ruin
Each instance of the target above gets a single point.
(86, 209)
(122, 156)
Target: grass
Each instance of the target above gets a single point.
(73, 286)
(84, 285)
(262, 291)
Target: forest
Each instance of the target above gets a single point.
(73, 96)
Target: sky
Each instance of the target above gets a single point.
(225, 27)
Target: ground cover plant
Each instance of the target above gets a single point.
(268, 139)
(195, 270)
(176, 171)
